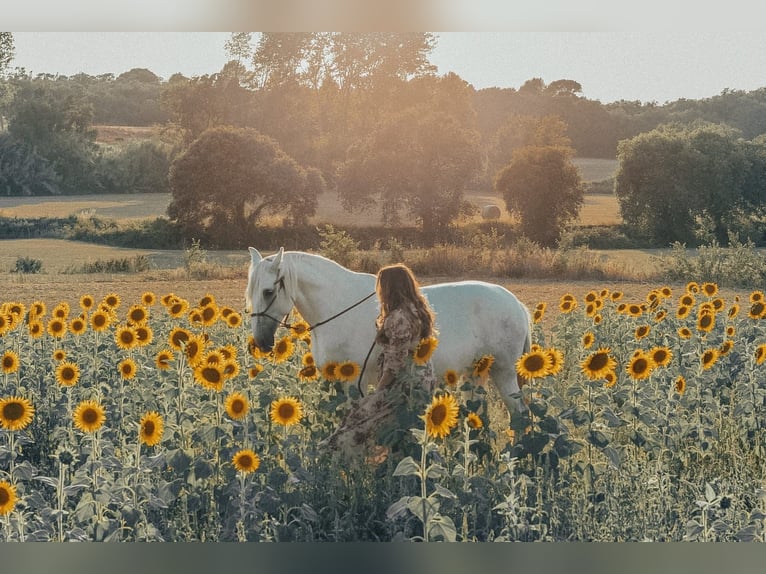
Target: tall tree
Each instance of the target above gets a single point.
(543, 187)
(230, 178)
(7, 50)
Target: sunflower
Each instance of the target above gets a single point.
(178, 337)
(150, 428)
(100, 320)
(78, 326)
(59, 355)
(635, 310)
(36, 329)
(5, 323)
(125, 337)
(230, 368)
(610, 379)
(209, 314)
(687, 300)
(591, 309)
(474, 421)
(661, 356)
(7, 497)
(533, 364)
(237, 405)
(137, 315)
(685, 333)
(283, 350)
(163, 359)
(234, 320)
(67, 374)
(56, 328)
(598, 363)
(642, 331)
(588, 339)
(567, 305)
(733, 311)
(640, 366)
(692, 287)
(254, 371)
(209, 376)
(709, 289)
(286, 411)
(347, 371)
(61, 310)
(89, 416)
(537, 315)
(451, 378)
(246, 461)
(725, 347)
(680, 385)
(10, 362)
(330, 371)
(87, 302)
(254, 350)
(441, 416)
(308, 373)
(144, 334)
(481, 367)
(556, 358)
(757, 310)
(178, 308)
(424, 350)
(37, 309)
(148, 298)
(127, 369)
(112, 300)
(307, 359)
(706, 322)
(666, 292)
(709, 358)
(615, 295)
(15, 413)
(168, 299)
(194, 349)
(760, 354)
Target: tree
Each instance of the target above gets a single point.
(543, 187)
(7, 50)
(418, 161)
(229, 178)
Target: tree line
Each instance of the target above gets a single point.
(366, 115)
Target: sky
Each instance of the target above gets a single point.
(655, 66)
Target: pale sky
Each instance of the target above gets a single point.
(657, 66)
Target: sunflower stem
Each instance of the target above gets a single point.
(12, 449)
(60, 502)
(423, 486)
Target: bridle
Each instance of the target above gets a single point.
(279, 285)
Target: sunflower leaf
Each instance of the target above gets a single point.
(407, 467)
(444, 492)
(441, 526)
(398, 508)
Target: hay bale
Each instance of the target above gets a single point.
(490, 212)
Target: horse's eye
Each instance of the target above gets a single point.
(267, 293)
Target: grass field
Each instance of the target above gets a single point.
(595, 169)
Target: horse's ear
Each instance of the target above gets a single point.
(278, 257)
(255, 256)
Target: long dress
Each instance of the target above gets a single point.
(385, 416)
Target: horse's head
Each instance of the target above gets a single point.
(267, 297)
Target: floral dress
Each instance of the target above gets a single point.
(385, 416)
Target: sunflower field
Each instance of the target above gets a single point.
(159, 420)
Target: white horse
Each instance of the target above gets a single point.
(473, 318)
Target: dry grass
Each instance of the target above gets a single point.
(600, 210)
(596, 169)
(110, 206)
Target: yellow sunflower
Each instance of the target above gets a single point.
(760, 354)
(194, 349)
(78, 326)
(59, 355)
(642, 331)
(610, 379)
(61, 311)
(207, 299)
(757, 310)
(148, 298)
(615, 295)
(481, 367)
(168, 299)
(87, 302)
(709, 358)
(661, 356)
(733, 311)
(598, 363)
(283, 350)
(687, 300)
(150, 428)
(330, 370)
(441, 416)
(635, 310)
(57, 327)
(127, 369)
(36, 329)
(163, 359)
(347, 371)
(125, 337)
(538, 313)
(111, 300)
(556, 358)
(246, 461)
(692, 287)
(307, 359)
(640, 366)
(137, 315)
(37, 309)
(7, 497)
(451, 378)
(254, 371)
(474, 421)
(659, 317)
(726, 347)
(234, 320)
(422, 353)
(286, 411)
(10, 362)
(210, 376)
(237, 406)
(16, 413)
(230, 368)
(709, 289)
(680, 385)
(89, 416)
(533, 364)
(685, 333)
(178, 337)
(308, 373)
(99, 321)
(67, 374)
(567, 305)
(144, 334)
(706, 322)
(178, 308)
(209, 314)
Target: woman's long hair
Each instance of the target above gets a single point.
(396, 287)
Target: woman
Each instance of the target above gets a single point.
(403, 387)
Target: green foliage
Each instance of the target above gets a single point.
(338, 245)
(543, 187)
(134, 264)
(27, 264)
(229, 179)
(23, 171)
(140, 167)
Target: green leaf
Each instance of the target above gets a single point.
(398, 508)
(444, 492)
(417, 506)
(440, 526)
(407, 467)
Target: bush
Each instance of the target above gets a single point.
(338, 245)
(27, 265)
(134, 264)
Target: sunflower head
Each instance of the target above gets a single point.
(78, 326)
(148, 298)
(163, 359)
(680, 385)
(151, 427)
(760, 354)
(111, 300)
(67, 374)
(7, 497)
(441, 416)
(57, 327)
(125, 337)
(709, 358)
(661, 356)
(474, 421)
(642, 331)
(347, 371)
(137, 315)
(286, 411)
(709, 289)
(588, 339)
(640, 366)
(424, 350)
(482, 365)
(598, 363)
(127, 368)
(330, 371)
(210, 376)
(283, 350)
(254, 371)
(9, 362)
(59, 355)
(451, 378)
(533, 364)
(100, 320)
(237, 405)
(308, 373)
(246, 461)
(234, 320)
(15, 413)
(89, 416)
